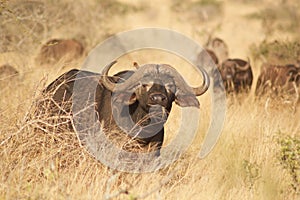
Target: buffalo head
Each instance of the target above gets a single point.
(147, 95)
(156, 84)
(231, 67)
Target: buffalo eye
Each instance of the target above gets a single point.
(170, 87)
(291, 73)
(146, 86)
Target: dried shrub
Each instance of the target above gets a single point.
(290, 158)
(277, 52)
(26, 24)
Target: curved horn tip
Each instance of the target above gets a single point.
(105, 80)
(206, 83)
(243, 68)
(108, 66)
(113, 62)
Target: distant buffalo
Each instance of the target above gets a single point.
(218, 47)
(278, 79)
(56, 50)
(206, 56)
(237, 75)
(7, 72)
(144, 95)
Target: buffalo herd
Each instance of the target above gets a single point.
(236, 74)
(138, 102)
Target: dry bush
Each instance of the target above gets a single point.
(42, 151)
(279, 17)
(290, 158)
(27, 24)
(277, 52)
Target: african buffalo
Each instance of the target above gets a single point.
(58, 49)
(206, 56)
(219, 47)
(236, 75)
(278, 79)
(146, 94)
(7, 71)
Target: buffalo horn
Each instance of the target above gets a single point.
(244, 68)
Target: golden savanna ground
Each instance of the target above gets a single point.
(257, 156)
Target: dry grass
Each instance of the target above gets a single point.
(256, 157)
(247, 163)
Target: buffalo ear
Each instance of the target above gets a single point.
(187, 101)
(126, 98)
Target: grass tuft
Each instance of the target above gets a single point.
(290, 158)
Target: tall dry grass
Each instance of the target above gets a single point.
(247, 162)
